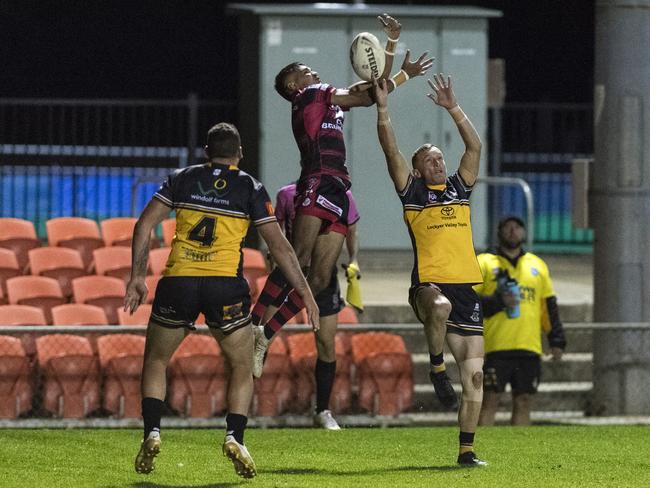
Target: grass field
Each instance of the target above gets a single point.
(400, 457)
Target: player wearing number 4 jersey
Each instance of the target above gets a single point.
(215, 204)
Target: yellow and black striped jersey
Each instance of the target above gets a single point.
(524, 332)
(214, 205)
(438, 221)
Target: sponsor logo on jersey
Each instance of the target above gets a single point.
(306, 202)
(216, 172)
(219, 190)
(475, 317)
(232, 312)
(325, 203)
(269, 208)
(432, 196)
(447, 211)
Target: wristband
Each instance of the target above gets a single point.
(453, 109)
(383, 122)
(382, 109)
(389, 53)
(392, 40)
(393, 82)
(405, 74)
(400, 78)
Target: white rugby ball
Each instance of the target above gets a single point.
(367, 56)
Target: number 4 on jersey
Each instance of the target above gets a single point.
(203, 231)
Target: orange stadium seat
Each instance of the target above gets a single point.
(347, 315)
(158, 259)
(274, 390)
(104, 291)
(19, 236)
(38, 291)
(79, 314)
(75, 233)
(139, 317)
(384, 372)
(168, 231)
(59, 263)
(113, 261)
(120, 359)
(8, 269)
(152, 282)
(198, 379)
(70, 375)
(303, 354)
(21, 315)
(118, 231)
(15, 386)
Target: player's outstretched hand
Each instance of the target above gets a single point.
(380, 91)
(392, 27)
(418, 67)
(443, 92)
(136, 294)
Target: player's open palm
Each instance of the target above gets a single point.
(418, 67)
(443, 93)
(392, 28)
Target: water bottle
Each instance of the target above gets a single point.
(513, 287)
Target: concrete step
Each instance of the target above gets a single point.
(572, 367)
(562, 396)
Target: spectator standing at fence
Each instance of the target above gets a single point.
(317, 117)
(215, 204)
(519, 304)
(329, 303)
(437, 215)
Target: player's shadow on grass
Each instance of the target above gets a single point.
(149, 484)
(361, 472)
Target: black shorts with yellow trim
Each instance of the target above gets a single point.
(466, 317)
(225, 302)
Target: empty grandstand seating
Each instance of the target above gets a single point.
(21, 315)
(120, 359)
(8, 269)
(139, 317)
(15, 383)
(274, 390)
(384, 372)
(104, 291)
(60, 263)
(197, 386)
(19, 236)
(38, 291)
(70, 375)
(118, 231)
(158, 259)
(78, 314)
(303, 354)
(113, 261)
(168, 231)
(75, 233)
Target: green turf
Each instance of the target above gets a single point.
(400, 457)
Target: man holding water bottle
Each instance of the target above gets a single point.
(518, 305)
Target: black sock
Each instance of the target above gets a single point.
(437, 362)
(151, 412)
(325, 374)
(466, 440)
(235, 425)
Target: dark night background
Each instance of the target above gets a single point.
(150, 49)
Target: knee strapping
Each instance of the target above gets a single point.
(471, 374)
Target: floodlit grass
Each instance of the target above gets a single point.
(400, 457)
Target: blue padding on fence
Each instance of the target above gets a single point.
(39, 193)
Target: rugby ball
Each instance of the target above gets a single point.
(367, 56)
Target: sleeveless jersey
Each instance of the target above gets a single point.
(438, 222)
(318, 130)
(215, 205)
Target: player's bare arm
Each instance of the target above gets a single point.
(359, 95)
(392, 29)
(443, 96)
(287, 261)
(136, 290)
(398, 168)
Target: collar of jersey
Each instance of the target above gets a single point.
(439, 187)
(231, 167)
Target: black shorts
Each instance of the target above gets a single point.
(329, 300)
(324, 196)
(225, 302)
(523, 371)
(466, 317)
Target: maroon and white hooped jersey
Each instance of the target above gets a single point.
(318, 130)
